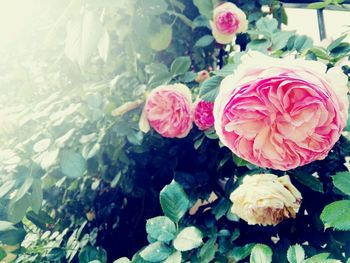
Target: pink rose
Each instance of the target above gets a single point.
(281, 113)
(203, 114)
(228, 20)
(168, 111)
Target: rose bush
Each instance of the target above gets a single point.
(79, 179)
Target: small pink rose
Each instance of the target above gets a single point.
(228, 20)
(203, 114)
(281, 113)
(168, 111)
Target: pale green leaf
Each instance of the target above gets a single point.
(72, 164)
(337, 215)
(341, 181)
(161, 228)
(295, 254)
(189, 238)
(156, 252)
(261, 254)
(174, 201)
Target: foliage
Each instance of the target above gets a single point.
(77, 184)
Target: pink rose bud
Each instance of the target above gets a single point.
(203, 115)
(202, 76)
(281, 113)
(228, 20)
(168, 111)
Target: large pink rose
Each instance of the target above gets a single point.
(203, 114)
(228, 20)
(168, 111)
(281, 113)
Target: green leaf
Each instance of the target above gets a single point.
(295, 254)
(267, 24)
(83, 35)
(156, 252)
(56, 254)
(239, 253)
(90, 253)
(341, 181)
(318, 52)
(204, 41)
(161, 228)
(259, 44)
(154, 7)
(122, 260)
(6, 226)
(72, 164)
(205, 7)
(221, 208)
(261, 254)
(310, 181)
(210, 88)
(180, 65)
(323, 257)
(207, 252)
(336, 42)
(201, 21)
(174, 258)
(36, 196)
(41, 145)
(280, 39)
(18, 209)
(162, 38)
(6, 187)
(174, 201)
(27, 184)
(189, 238)
(239, 161)
(156, 68)
(12, 237)
(41, 219)
(337, 215)
(317, 5)
(2, 254)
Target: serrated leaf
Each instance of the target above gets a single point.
(156, 252)
(204, 41)
(337, 215)
(323, 257)
(189, 238)
(161, 228)
(207, 252)
(310, 181)
(342, 181)
(210, 88)
(295, 254)
(180, 65)
(239, 253)
(261, 254)
(72, 164)
(174, 201)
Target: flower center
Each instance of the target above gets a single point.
(227, 22)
